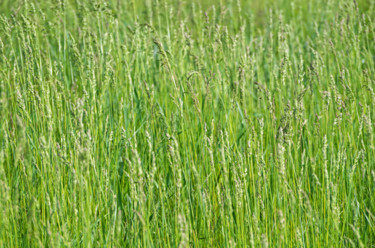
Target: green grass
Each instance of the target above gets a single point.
(187, 123)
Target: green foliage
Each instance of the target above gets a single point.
(187, 123)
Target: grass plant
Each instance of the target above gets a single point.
(169, 123)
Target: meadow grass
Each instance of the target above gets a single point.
(165, 123)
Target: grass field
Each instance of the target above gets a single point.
(167, 123)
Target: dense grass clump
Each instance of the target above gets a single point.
(187, 123)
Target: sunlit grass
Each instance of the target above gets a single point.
(179, 123)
